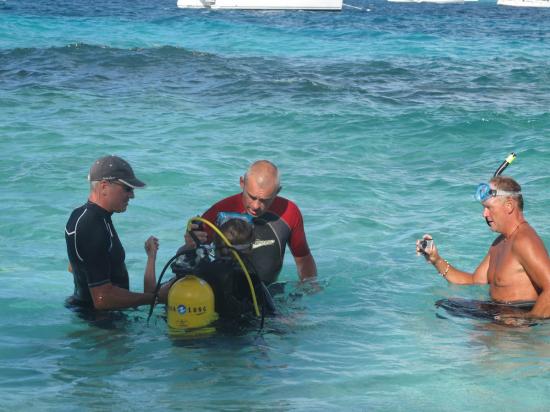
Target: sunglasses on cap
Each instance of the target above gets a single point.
(120, 183)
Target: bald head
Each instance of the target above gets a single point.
(264, 173)
(260, 185)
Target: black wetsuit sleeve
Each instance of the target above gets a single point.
(93, 243)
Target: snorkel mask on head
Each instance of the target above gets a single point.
(484, 191)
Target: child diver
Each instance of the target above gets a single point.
(225, 276)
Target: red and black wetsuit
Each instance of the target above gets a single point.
(95, 252)
(282, 223)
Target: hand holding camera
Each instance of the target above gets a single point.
(426, 247)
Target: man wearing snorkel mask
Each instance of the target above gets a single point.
(277, 222)
(517, 266)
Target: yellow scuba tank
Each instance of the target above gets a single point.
(190, 304)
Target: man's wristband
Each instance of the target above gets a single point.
(446, 271)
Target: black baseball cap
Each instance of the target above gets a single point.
(114, 168)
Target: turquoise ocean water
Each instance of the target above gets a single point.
(382, 119)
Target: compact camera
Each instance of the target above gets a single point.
(426, 244)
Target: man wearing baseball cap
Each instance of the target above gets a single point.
(95, 253)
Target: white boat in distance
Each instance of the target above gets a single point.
(262, 4)
(432, 1)
(524, 3)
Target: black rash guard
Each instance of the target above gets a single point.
(95, 252)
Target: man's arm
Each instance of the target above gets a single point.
(459, 277)
(532, 255)
(108, 296)
(202, 237)
(307, 269)
(149, 277)
(450, 273)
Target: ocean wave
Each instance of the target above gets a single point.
(206, 77)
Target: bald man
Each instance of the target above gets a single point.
(277, 222)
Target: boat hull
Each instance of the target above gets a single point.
(263, 4)
(430, 1)
(524, 3)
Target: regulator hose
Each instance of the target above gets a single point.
(157, 288)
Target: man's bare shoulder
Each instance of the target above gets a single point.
(526, 233)
(527, 241)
